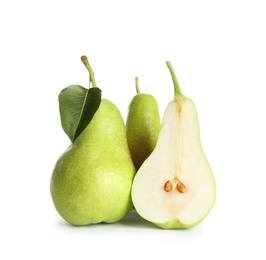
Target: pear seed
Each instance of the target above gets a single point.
(181, 187)
(168, 186)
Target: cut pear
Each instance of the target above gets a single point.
(175, 186)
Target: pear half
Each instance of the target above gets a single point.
(175, 186)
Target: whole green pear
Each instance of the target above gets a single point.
(142, 126)
(91, 181)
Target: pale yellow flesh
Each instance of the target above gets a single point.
(178, 157)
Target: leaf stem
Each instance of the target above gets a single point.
(177, 88)
(137, 85)
(85, 61)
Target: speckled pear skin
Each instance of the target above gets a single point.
(142, 127)
(92, 179)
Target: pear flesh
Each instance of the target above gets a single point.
(92, 180)
(175, 186)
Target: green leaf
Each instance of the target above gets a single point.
(77, 106)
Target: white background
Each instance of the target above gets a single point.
(217, 49)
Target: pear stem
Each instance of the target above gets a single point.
(85, 61)
(177, 88)
(137, 85)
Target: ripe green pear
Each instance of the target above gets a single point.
(91, 181)
(175, 186)
(142, 126)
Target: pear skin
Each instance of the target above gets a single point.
(142, 126)
(91, 181)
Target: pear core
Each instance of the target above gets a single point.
(175, 187)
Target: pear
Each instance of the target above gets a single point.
(91, 181)
(175, 186)
(142, 126)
